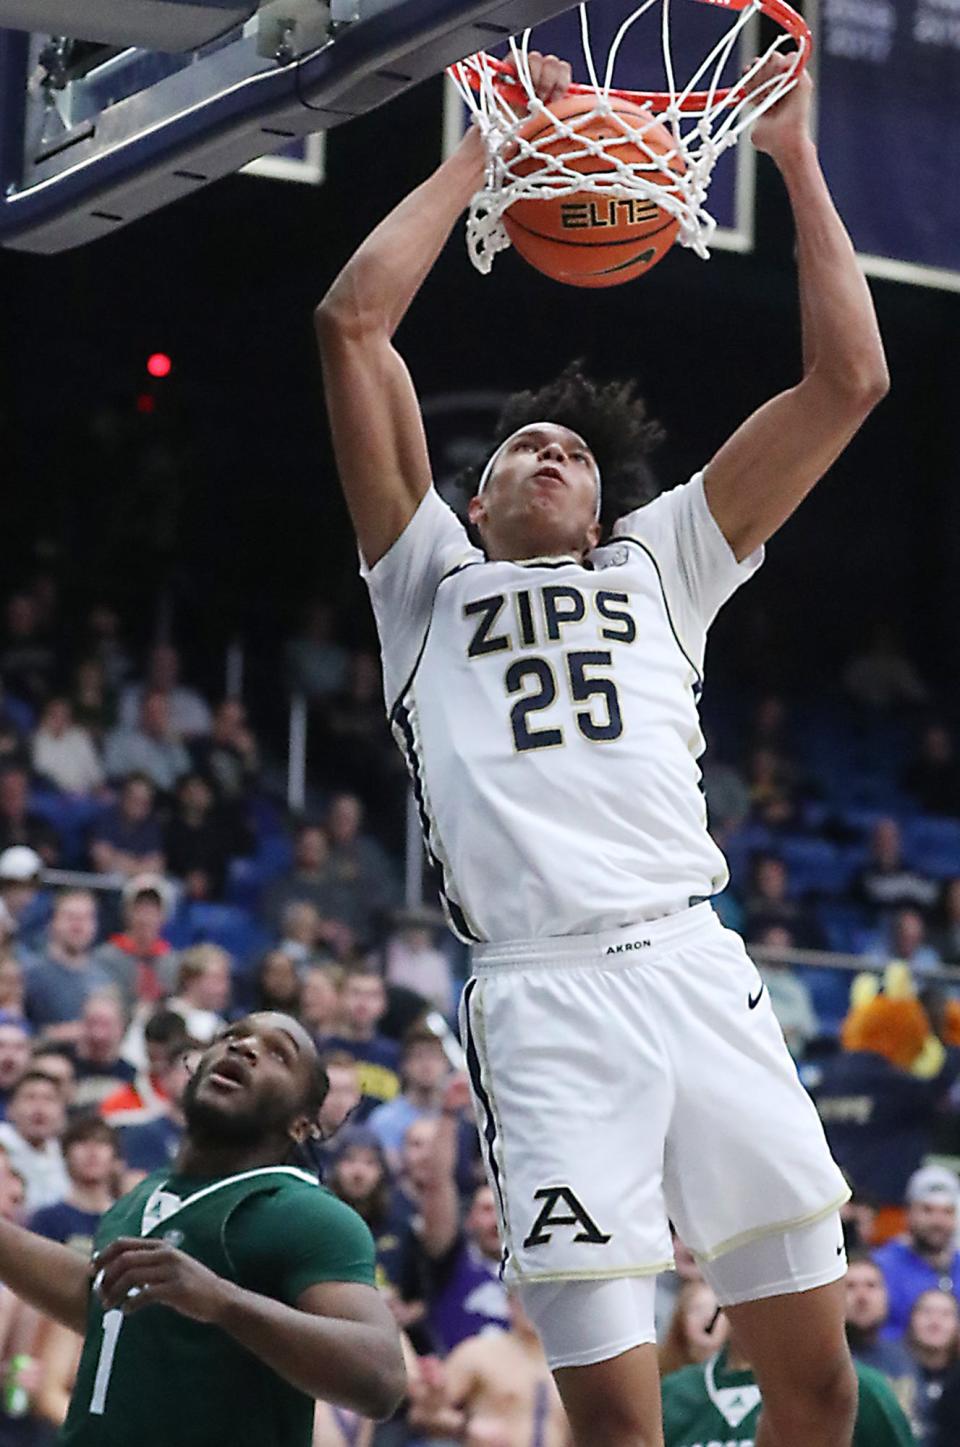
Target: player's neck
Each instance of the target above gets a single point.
(201, 1157)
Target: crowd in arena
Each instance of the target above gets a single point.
(153, 888)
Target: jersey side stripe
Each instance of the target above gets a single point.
(488, 1130)
(637, 542)
(460, 568)
(405, 733)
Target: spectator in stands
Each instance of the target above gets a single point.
(277, 984)
(360, 865)
(671, 1283)
(56, 1060)
(14, 720)
(165, 1040)
(453, 1266)
(91, 700)
(354, 727)
(493, 1389)
(359, 1175)
(186, 712)
(20, 871)
(695, 1332)
(933, 1341)
(13, 990)
(342, 1098)
(63, 752)
(947, 935)
(15, 1040)
(151, 747)
(103, 640)
(228, 756)
(886, 883)
(789, 995)
(925, 1258)
(307, 938)
(200, 839)
(866, 1316)
(27, 659)
(128, 839)
(908, 942)
(423, 1072)
(878, 1116)
(412, 960)
(17, 824)
(150, 1139)
(769, 903)
(320, 1000)
(133, 959)
(67, 971)
(773, 789)
(727, 795)
(363, 1001)
(310, 881)
(316, 662)
(30, 1135)
(934, 776)
(97, 1061)
(90, 1155)
(882, 676)
(202, 993)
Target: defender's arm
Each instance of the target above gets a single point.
(45, 1274)
(769, 465)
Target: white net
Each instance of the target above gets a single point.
(703, 117)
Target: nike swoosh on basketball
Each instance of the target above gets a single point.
(754, 1000)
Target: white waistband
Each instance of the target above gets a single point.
(608, 948)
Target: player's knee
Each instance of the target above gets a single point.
(826, 1392)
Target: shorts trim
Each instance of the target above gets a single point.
(601, 1354)
(526, 1278)
(492, 1132)
(792, 1287)
(775, 1228)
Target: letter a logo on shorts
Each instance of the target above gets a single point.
(572, 1214)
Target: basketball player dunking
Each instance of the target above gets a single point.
(626, 1065)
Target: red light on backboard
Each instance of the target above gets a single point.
(159, 365)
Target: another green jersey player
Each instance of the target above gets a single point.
(226, 1295)
(717, 1404)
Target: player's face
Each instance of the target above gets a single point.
(932, 1224)
(252, 1082)
(541, 497)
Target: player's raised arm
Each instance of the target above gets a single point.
(375, 418)
(45, 1274)
(772, 461)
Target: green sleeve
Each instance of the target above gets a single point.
(284, 1242)
(880, 1418)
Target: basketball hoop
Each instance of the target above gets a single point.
(704, 117)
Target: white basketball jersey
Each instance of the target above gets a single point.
(547, 710)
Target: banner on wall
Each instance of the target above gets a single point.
(888, 128)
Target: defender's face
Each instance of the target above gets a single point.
(253, 1079)
(544, 485)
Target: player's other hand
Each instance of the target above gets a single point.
(134, 1272)
(551, 76)
(786, 124)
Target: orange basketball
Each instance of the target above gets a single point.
(586, 239)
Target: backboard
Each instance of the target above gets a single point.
(95, 134)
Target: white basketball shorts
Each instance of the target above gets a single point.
(629, 1079)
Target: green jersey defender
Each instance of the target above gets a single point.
(226, 1295)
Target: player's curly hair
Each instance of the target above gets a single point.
(610, 418)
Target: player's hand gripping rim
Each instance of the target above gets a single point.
(134, 1272)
